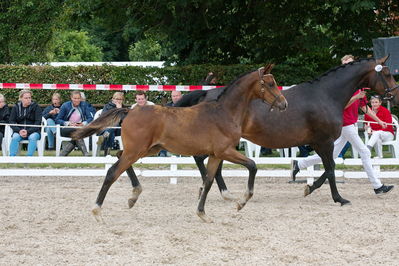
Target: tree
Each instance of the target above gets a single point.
(26, 28)
(246, 31)
(73, 46)
(145, 50)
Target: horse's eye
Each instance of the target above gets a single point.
(271, 84)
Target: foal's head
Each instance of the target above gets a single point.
(268, 90)
(381, 80)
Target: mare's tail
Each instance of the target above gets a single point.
(110, 118)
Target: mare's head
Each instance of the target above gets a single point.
(381, 80)
(268, 89)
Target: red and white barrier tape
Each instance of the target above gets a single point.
(109, 87)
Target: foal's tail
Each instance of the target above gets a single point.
(110, 118)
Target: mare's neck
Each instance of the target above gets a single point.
(346, 81)
(237, 97)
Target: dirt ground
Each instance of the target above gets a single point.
(47, 221)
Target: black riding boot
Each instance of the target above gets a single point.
(81, 145)
(67, 148)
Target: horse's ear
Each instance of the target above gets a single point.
(268, 68)
(382, 60)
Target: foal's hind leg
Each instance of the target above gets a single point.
(112, 175)
(212, 167)
(137, 189)
(199, 160)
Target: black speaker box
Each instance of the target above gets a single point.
(385, 46)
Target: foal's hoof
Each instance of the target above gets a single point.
(240, 205)
(136, 193)
(226, 195)
(204, 217)
(131, 202)
(307, 191)
(96, 211)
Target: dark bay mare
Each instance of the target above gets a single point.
(314, 115)
(212, 128)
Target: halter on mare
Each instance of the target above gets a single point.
(388, 91)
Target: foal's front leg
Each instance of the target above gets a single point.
(234, 156)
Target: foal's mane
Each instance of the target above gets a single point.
(334, 69)
(232, 84)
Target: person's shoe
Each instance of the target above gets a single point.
(67, 148)
(294, 169)
(99, 144)
(383, 189)
(81, 145)
(107, 151)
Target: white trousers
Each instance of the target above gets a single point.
(377, 138)
(348, 133)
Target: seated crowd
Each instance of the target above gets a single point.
(69, 116)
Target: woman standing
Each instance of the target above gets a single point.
(25, 112)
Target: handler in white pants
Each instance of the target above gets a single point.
(350, 133)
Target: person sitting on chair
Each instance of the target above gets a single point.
(74, 113)
(378, 133)
(141, 99)
(25, 112)
(107, 137)
(4, 116)
(50, 113)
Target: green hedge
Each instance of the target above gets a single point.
(286, 74)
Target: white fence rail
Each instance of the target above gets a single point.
(173, 169)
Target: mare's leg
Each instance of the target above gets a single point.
(234, 156)
(326, 154)
(124, 162)
(226, 195)
(199, 160)
(213, 164)
(137, 189)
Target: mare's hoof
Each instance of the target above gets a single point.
(345, 202)
(226, 195)
(204, 217)
(307, 191)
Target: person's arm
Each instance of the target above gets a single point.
(88, 115)
(371, 113)
(13, 119)
(6, 115)
(62, 116)
(356, 97)
(38, 120)
(46, 112)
